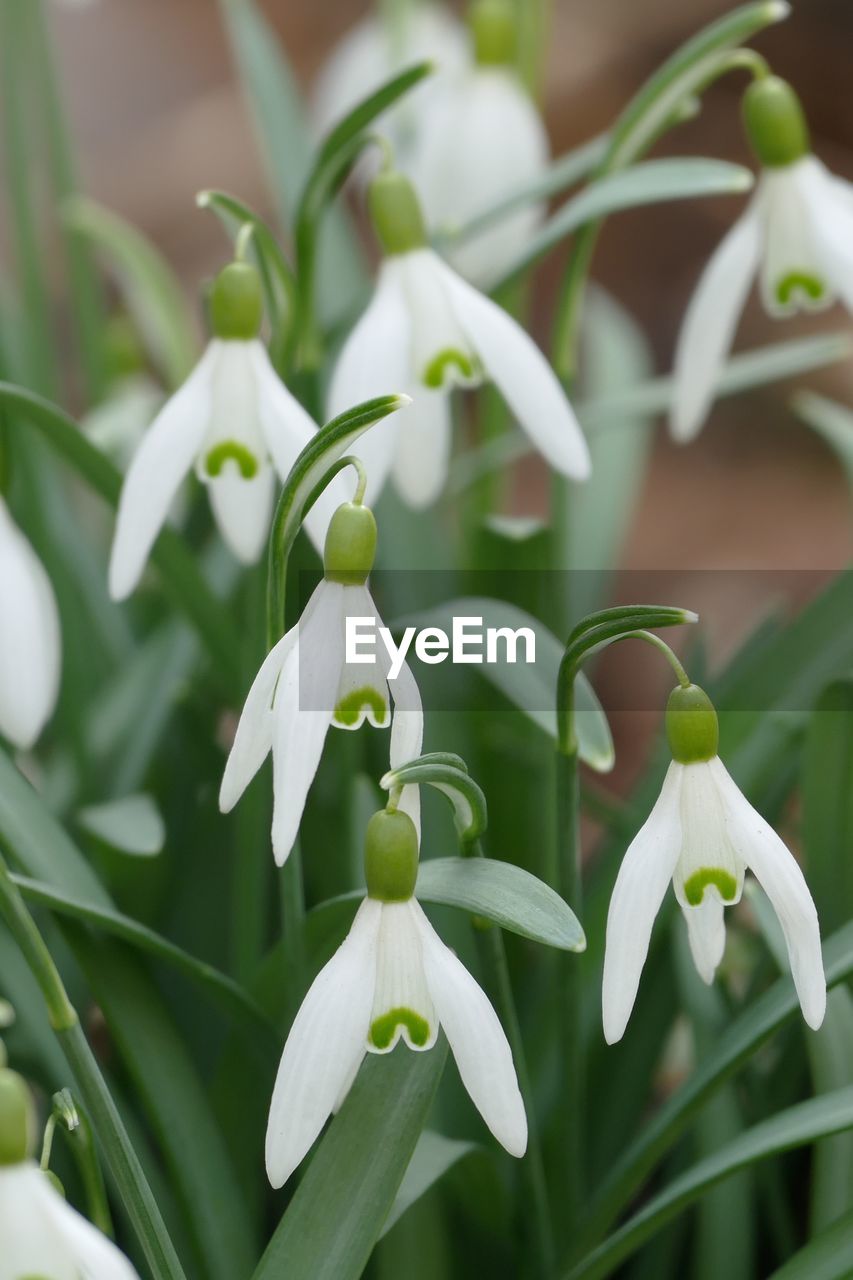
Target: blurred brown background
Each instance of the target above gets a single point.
(158, 115)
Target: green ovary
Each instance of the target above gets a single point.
(434, 374)
(382, 1029)
(799, 282)
(349, 709)
(231, 450)
(723, 881)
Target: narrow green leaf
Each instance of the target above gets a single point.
(505, 893)
(650, 182)
(828, 1256)
(148, 286)
(343, 1201)
(832, 421)
(828, 803)
(455, 784)
(798, 1126)
(432, 1158)
(132, 825)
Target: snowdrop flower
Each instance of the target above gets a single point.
(702, 835)
(796, 234)
(305, 684)
(392, 978)
(234, 421)
(375, 50)
(483, 140)
(42, 1235)
(30, 641)
(427, 331)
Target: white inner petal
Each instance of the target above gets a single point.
(793, 274)
(363, 689)
(234, 444)
(708, 862)
(401, 1002)
(442, 357)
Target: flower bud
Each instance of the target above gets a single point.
(237, 302)
(350, 545)
(395, 212)
(391, 856)
(17, 1119)
(775, 123)
(691, 725)
(493, 30)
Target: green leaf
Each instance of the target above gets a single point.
(797, 1126)
(430, 1161)
(131, 825)
(532, 687)
(344, 1199)
(150, 289)
(318, 462)
(828, 1256)
(828, 803)
(832, 421)
(455, 784)
(505, 893)
(178, 566)
(647, 183)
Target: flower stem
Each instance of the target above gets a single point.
(120, 1155)
(570, 1145)
(492, 945)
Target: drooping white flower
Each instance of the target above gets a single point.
(374, 50)
(392, 978)
(482, 141)
(796, 235)
(305, 685)
(703, 835)
(426, 331)
(234, 421)
(30, 640)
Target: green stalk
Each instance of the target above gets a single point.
(571, 1143)
(120, 1155)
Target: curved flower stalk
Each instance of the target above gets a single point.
(30, 639)
(376, 49)
(306, 684)
(392, 978)
(234, 421)
(703, 835)
(427, 331)
(796, 236)
(41, 1235)
(482, 140)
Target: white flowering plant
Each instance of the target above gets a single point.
(415, 995)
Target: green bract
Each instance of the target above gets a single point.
(17, 1119)
(350, 545)
(237, 302)
(396, 213)
(391, 856)
(494, 32)
(775, 122)
(691, 726)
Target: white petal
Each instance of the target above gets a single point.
(793, 274)
(706, 932)
(96, 1257)
(708, 864)
(31, 1243)
(304, 703)
(422, 456)
(833, 220)
(477, 1040)
(643, 877)
(30, 640)
(362, 688)
(442, 354)
(162, 460)
(779, 875)
(253, 739)
(402, 1006)
(326, 1042)
(523, 376)
(709, 324)
(242, 509)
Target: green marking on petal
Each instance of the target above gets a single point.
(351, 707)
(723, 881)
(799, 282)
(435, 372)
(234, 451)
(382, 1029)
